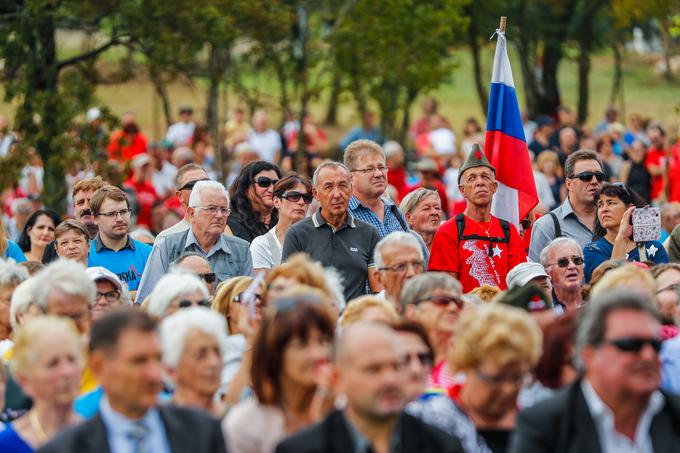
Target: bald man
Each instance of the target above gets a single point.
(369, 371)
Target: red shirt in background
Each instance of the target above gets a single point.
(470, 259)
(656, 157)
(674, 173)
(146, 197)
(122, 149)
(396, 177)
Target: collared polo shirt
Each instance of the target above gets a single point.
(127, 263)
(349, 248)
(228, 257)
(544, 232)
(362, 445)
(118, 428)
(390, 222)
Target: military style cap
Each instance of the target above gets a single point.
(475, 159)
(529, 297)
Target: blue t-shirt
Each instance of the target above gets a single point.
(11, 442)
(601, 250)
(127, 263)
(13, 251)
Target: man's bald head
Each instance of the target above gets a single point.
(356, 338)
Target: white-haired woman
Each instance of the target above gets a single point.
(11, 275)
(194, 342)
(48, 364)
(422, 209)
(175, 291)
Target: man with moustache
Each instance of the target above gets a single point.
(82, 193)
(475, 247)
(369, 367)
(113, 248)
(617, 405)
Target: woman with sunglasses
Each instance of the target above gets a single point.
(292, 197)
(497, 346)
(175, 291)
(252, 200)
(613, 238)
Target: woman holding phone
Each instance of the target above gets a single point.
(613, 238)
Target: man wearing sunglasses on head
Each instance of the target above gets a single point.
(563, 261)
(185, 180)
(616, 406)
(575, 218)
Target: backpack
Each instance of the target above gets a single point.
(460, 225)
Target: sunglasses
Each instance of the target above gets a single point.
(564, 262)
(294, 197)
(208, 278)
(190, 185)
(426, 359)
(188, 303)
(587, 176)
(634, 344)
(443, 301)
(258, 298)
(264, 181)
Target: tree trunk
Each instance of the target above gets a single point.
(549, 99)
(411, 95)
(162, 91)
(667, 43)
(332, 110)
(584, 70)
(215, 71)
(473, 41)
(618, 74)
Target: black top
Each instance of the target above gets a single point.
(349, 249)
(640, 180)
(497, 440)
(248, 229)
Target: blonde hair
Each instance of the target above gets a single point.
(497, 333)
(357, 307)
(26, 341)
(301, 268)
(625, 277)
(357, 148)
(227, 292)
(486, 292)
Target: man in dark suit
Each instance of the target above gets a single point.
(369, 373)
(617, 405)
(125, 356)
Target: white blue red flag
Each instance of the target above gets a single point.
(506, 147)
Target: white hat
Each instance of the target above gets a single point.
(140, 160)
(93, 114)
(101, 273)
(523, 273)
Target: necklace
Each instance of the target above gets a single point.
(486, 229)
(37, 427)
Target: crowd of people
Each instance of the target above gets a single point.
(376, 306)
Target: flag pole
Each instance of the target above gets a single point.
(502, 25)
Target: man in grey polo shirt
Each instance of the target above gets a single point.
(575, 218)
(208, 210)
(333, 236)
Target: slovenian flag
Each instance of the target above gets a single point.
(506, 147)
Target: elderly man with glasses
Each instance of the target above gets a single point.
(563, 261)
(208, 210)
(185, 180)
(398, 257)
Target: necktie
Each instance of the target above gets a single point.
(139, 434)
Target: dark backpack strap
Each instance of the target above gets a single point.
(506, 230)
(400, 217)
(558, 228)
(460, 225)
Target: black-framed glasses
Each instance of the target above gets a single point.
(402, 267)
(265, 181)
(208, 277)
(443, 301)
(190, 185)
(633, 344)
(113, 214)
(564, 261)
(110, 296)
(515, 379)
(294, 197)
(426, 359)
(187, 303)
(212, 210)
(587, 176)
(371, 170)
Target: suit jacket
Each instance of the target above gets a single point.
(188, 430)
(332, 436)
(563, 424)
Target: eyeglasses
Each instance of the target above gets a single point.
(402, 267)
(208, 277)
(264, 181)
(110, 296)
(187, 303)
(587, 176)
(190, 185)
(443, 301)
(212, 210)
(633, 344)
(371, 170)
(506, 378)
(294, 197)
(113, 214)
(426, 359)
(672, 287)
(258, 298)
(564, 262)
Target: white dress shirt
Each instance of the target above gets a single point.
(612, 441)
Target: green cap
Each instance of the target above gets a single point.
(528, 297)
(475, 159)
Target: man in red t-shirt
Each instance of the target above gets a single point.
(655, 162)
(487, 248)
(128, 141)
(140, 182)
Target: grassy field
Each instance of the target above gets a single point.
(645, 92)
